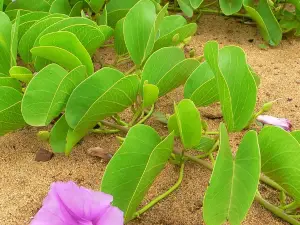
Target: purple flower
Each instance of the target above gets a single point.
(279, 122)
(69, 204)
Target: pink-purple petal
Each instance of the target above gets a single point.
(113, 216)
(279, 122)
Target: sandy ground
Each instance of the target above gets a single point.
(24, 182)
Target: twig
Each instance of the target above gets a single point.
(113, 125)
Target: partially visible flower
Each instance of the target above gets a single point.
(69, 204)
(279, 122)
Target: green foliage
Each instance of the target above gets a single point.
(229, 7)
(205, 144)
(280, 159)
(5, 43)
(135, 165)
(150, 94)
(234, 182)
(60, 6)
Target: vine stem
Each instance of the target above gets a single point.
(113, 125)
(275, 210)
(147, 116)
(164, 195)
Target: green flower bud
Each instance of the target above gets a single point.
(267, 106)
(43, 135)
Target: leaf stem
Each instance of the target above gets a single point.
(162, 196)
(116, 126)
(105, 131)
(130, 70)
(211, 132)
(271, 183)
(147, 116)
(108, 45)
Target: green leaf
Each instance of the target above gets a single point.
(102, 19)
(63, 138)
(196, 3)
(265, 19)
(280, 158)
(96, 5)
(139, 32)
(189, 123)
(150, 94)
(48, 92)
(69, 42)
(117, 9)
(60, 6)
(186, 7)
(230, 7)
(31, 5)
(14, 41)
(201, 86)
(119, 42)
(10, 110)
(76, 9)
(206, 144)
(181, 32)
(296, 135)
(167, 69)
(103, 94)
(234, 182)
(1, 5)
(28, 39)
(5, 43)
(21, 73)
(10, 82)
(236, 85)
(171, 23)
(173, 125)
(135, 166)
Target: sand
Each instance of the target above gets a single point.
(24, 183)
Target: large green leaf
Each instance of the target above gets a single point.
(139, 32)
(63, 138)
(32, 5)
(201, 86)
(103, 94)
(167, 69)
(188, 123)
(13, 13)
(10, 110)
(117, 9)
(134, 167)
(5, 43)
(171, 23)
(265, 19)
(119, 42)
(48, 92)
(236, 85)
(60, 6)
(28, 39)
(230, 7)
(69, 42)
(233, 182)
(280, 156)
(10, 82)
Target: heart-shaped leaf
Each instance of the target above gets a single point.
(21, 73)
(10, 82)
(265, 19)
(69, 42)
(167, 69)
(60, 6)
(236, 85)
(139, 32)
(234, 182)
(196, 3)
(201, 86)
(10, 110)
(134, 167)
(280, 158)
(230, 7)
(103, 94)
(48, 92)
(63, 138)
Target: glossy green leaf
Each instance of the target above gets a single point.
(135, 166)
(10, 82)
(1, 5)
(201, 86)
(102, 19)
(117, 9)
(96, 5)
(48, 92)
(265, 19)
(56, 55)
(103, 94)
(63, 138)
(119, 42)
(296, 135)
(13, 13)
(60, 6)
(10, 110)
(234, 182)
(76, 9)
(189, 123)
(68, 41)
(14, 41)
(5, 43)
(28, 39)
(139, 32)
(21, 73)
(230, 7)
(206, 144)
(32, 5)
(280, 155)
(173, 125)
(186, 7)
(182, 32)
(3, 75)
(236, 85)
(167, 69)
(150, 94)
(196, 3)
(171, 23)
